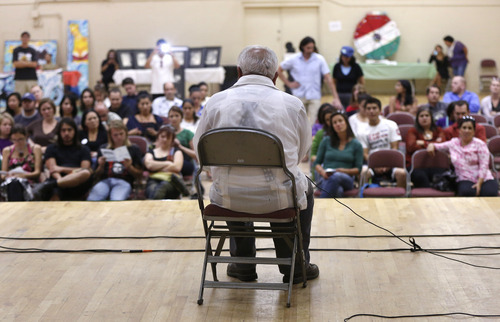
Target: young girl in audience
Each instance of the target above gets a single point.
(327, 111)
(14, 104)
(116, 176)
(339, 158)
(144, 123)
(68, 109)
(404, 100)
(419, 137)
(320, 119)
(87, 100)
(93, 134)
(470, 157)
(353, 107)
(24, 160)
(6, 124)
(164, 163)
(190, 119)
(43, 131)
(359, 120)
(183, 141)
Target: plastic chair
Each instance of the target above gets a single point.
(496, 121)
(390, 159)
(479, 118)
(488, 72)
(494, 147)
(402, 118)
(403, 130)
(421, 159)
(491, 131)
(243, 147)
(141, 142)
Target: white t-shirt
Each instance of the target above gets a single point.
(162, 71)
(380, 136)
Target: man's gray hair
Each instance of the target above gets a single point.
(258, 60)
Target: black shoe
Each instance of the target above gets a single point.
(244, 275)
(179, 185)
(44, 190)
(312, 272)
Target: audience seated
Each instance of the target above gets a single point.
(87, 100)
(459, 93)
(190, 119)
(381, 134)
(43, 131)
(404, 100)
(196, 96)
(204, 93)
(69, 165)
(320, 120)
(183, 141)
(144, 123)
(6, 125)
(339, 158)
(461, 109)
(23, 161)
(13, 104)
(436, 107)
(162, 104)
(29, 113)
(105, 114)
(115, 176)
(419, 137)
(353, 107)
(470, 158)
(164, 163)
(359, 120)
(117, 105)
(490, 105)
(68, 109)
(93, 133)
(37, 92)
(130, 99)
(101, 95)
(325, 117)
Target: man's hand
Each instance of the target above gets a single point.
(337, 104)
(293, 84)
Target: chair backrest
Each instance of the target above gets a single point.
(422, 159)
(403, 130)
(488, 63)
(491, 130)
(385, 110)
(494, 145)
(141, 142)
(402, 118)
(387, 158)
(496, 120)
(479, 118)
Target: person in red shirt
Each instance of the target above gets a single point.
(462, 109)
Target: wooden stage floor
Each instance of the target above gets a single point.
(163, 286)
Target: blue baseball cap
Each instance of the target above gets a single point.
(347, 51)
(28, 97)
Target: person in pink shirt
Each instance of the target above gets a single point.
(470, 157)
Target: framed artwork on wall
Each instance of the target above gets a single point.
(196, 57)
(125, 59)
(181, 55)
(212, 56)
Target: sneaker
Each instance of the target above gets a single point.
(44, 190)
(244, 275)
(312, 272)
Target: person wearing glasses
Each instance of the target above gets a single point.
(470, 157)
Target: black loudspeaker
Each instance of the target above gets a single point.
(230, 78)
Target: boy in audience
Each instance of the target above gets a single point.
(131, 98)
(380, 134)
(437, 108)
(117, 106)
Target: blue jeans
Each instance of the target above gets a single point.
(336, 184)
(114, 188)
(460, 69)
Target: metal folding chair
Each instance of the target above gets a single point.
(244, 147)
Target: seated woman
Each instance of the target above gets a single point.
(6, 125)
(183, 141)
(325, 118)
(13, 104)
(470, 157)
(490, 105)
(404, 100)
(116, 175)
(68, 109)
(164, 162)
(93, 135)
(353, 107)
(44, 131)
(87, 100)
(190, 119)
(144, 123)
(339, 159)
(419, 137)
(320, 119)
(23, 161)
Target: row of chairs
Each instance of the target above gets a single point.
(407, 118)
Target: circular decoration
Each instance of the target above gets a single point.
(376, 36)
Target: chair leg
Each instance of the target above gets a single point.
(208, 250)
(292, 271)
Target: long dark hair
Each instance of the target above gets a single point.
(195, 117)
(18, 96)
(334, 137)
(70, 122)
(329, 109)
(84, 117)
(82, 106)
(419, 128)
(408, 92)
(72, 102)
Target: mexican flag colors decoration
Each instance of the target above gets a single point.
(376, 36)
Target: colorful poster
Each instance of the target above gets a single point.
(78, 51)
(41, 46)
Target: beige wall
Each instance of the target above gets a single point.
(123, 24)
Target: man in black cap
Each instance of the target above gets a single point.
(29, 113)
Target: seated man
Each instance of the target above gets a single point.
(254, 101)
(29, 113)
(458, 93)
(437, 108)
(162, 105)
(380, 134)
(105, 114)
(461, 109)
(117, 106)
(131, 98)
(69, 165)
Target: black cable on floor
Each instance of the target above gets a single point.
(421, 315)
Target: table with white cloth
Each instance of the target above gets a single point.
(191, 75)
(398, 70)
